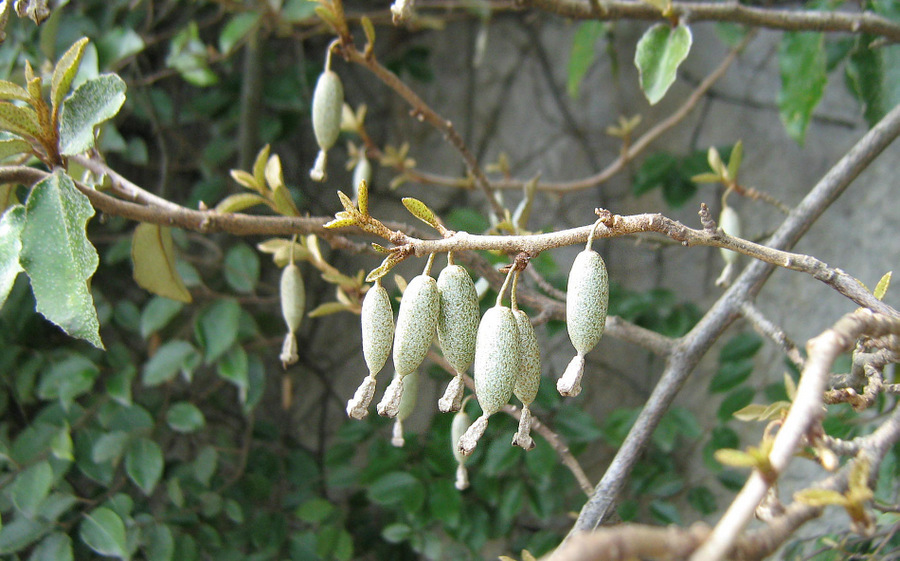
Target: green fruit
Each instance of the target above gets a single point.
(456, 328)
(416, 323)
(529, 379)
(293, 296)
(587, 300)
(496, 359)
(327, 105)
(458, 428)
(730, 223)
(407, 404)
(377, 319)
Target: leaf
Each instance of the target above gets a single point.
(736, 400)
(184, 416)
(10, 90)
(160, 545)
(19, 120)
(236, 29)
(64, 72)
(362, 197)
(144, 463)
(118, 44)
(13, 146)
(217, 328)
(170, 359)
(384, 268)
(328, 308)
(421, 211)
(730, 375)
(157, 314)
(802, 60)
(247, 180)
(880, 289)
(583, 53)
(189, 56)
(55, 547)
(104, 532)
(284, 203)
(742, 346)
(397, 488)
(735, 458)
(734, 163)
(92, 103)
(241, 268)
(68, 379)
(659, 53)
(340, 222)
(259, 167)
(58, 256)
(31, 487)
(752, 412)
(235, 368)
(239, 202)
(369, 30)
(820, 497)
(153, 254)
(11, 225)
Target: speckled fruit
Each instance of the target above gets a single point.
(416, 323)
(529, 379)
(293, 296)
(496, 359)
(587, 300)
(327, 104)
(458, 317)
(377, 319)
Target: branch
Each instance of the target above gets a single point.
(422, 112)
(806, 411)
(690, 349)
(785, 20)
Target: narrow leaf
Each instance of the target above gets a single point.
(329, 308)
(104, 532)
(340, 223)
(735, 458)
(284, 203)
(58, 256)
(802, 60)
(734, 163)
(706, 178)
(239, 202)
(247, 180)
(13, 147)
(362, 197)
(55, 547)
(820, 497)
(273, 172)
(421, 211)
(65, 71)
(369, 30)
(659, 53)
(259, 167)
(10, 90)
(144, 463)
(19, 120)
(170, 359)
(11, 225)
(92, 103)
(153, 254)
(880, 289)
(583, 53)
(346, 202)
(384, 268)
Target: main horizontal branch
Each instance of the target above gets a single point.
(732, 12)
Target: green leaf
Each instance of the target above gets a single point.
(92, 103)
(104, 532)
(109, 447)
(802, 60)
(730, 375)
(820, 497)
(583, 53)
(144, 463)
(242, 268)
(871, 79)
(19, 120)
(703, 500)
(11, 225)
(205, 465)
(21, 533)
(170, 359)
(188, 55)
(13, 147)
(398, 488)
(157, 314)
(742, 346)
(31, 487)
(68, 379)
(576, 425)
(665, 512)
(659, 53)
(61, 446)
(117, 44)
(736, 400)
(217, 328)
(396, 532)
(240, 201)
(153, 254)
(880, 289)
(59, 258)
(159, 543)
(55, 547)
(655, 170)
(236, 29)
(65, 71)
(10, 90)
(184, 416)
(421, 211)
(235, 368)
(315, 511)
(734, 162)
